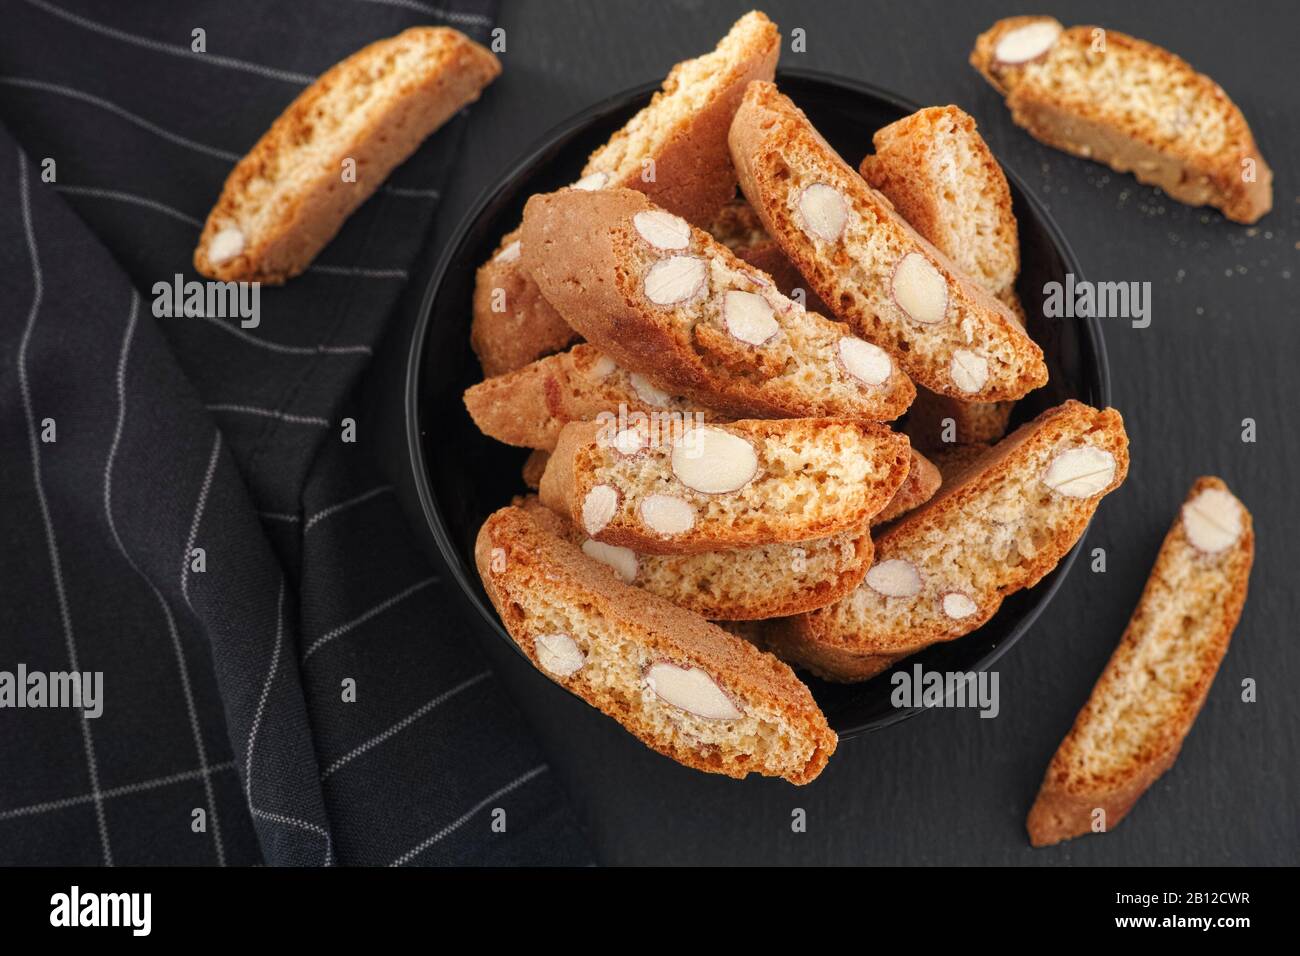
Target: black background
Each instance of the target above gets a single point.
(1223, 345)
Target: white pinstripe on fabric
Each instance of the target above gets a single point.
(402, 724)
(199, 507)
(451, 16)
(359, 271)
(172, 49)
(358, 621)
(344, 505)
(50, 806)
(140, 121)
(268, 413)
(252, 738)
(52, 544)
(181, 666)
(288, 349)
(468, 815)
(122, 196)
(266, 692)
(300, 824)
(413, 192)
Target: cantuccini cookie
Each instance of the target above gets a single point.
(665, 299)
(286, 199)
(1103, 95)
(690, 488)
(862, 258)
(1145, 702)
(674, 150)
(944, 569)
(943, 179)
(683, 686)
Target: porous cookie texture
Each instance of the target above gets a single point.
(684, 687)
(879, 274)
(1104, 95)
(674, 150)
(529, 406)
(285, 200)
(1145, 702)
(669, 301)
(769, 580)
(717, 487)
(943, 179)
(1006, 521)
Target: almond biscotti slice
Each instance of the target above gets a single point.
(771, 580)
(943, 179)
(674, 151)
(664, 298)
(286, 199)
(865, 262)
(684, 687)
(682, 487)
(1132, 105)
(943, 570)
(529, 406)
(1145, 702)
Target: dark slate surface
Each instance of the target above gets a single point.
(948, 787)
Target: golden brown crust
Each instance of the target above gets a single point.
(777, 153)
(950, 539)
(622, 630)
(1196, 159)
(693, 178)
(870, 464)
(286, 197)
(1165, 663)
(584, 252)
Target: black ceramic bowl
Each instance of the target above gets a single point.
(462, 476)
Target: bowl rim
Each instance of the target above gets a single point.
(1091, 330)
